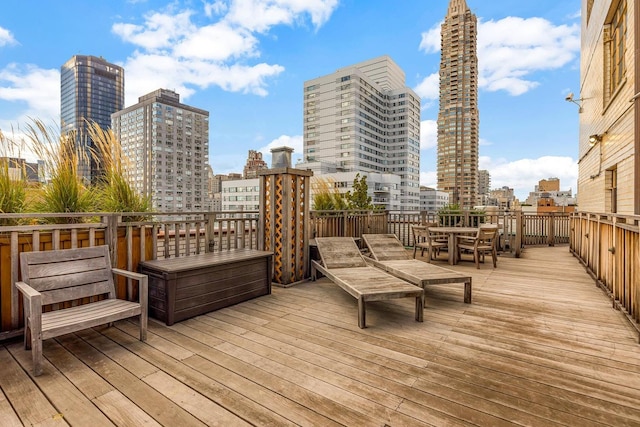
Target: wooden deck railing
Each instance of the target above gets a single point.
(609, 247)
(170, 235)
(158, 236)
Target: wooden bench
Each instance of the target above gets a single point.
(184, 287)
(60, 276)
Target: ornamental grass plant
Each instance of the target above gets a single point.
(113, 192)
(12, 180)
(65, 190)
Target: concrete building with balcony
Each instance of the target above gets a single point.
(91, 89)
(363, 118)
(458, 116)
(609, 108)
(167, 144)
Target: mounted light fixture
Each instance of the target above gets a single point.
(569, 98)
(595, 138)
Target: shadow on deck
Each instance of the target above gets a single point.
(539, 345)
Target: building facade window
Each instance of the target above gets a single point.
(615, 32)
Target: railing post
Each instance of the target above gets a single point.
(519, 228)
(551, 229)
(210, 220)
(111, 236)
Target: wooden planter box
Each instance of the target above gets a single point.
(184, 287)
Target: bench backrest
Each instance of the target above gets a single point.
(68, 274)
(385, 247)
(339, 252)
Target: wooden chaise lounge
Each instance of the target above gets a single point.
(343, 264)
(389, 254)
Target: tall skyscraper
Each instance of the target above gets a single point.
(458, 117)
(167, 145)
(363, 118)
(91, 89)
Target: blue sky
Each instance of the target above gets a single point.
(245, 61)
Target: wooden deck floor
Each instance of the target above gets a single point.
(540, 345)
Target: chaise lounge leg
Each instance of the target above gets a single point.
(361, 313)
(467, 292)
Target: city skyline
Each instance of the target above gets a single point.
(252, 81)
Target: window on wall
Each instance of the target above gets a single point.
(615, 33)
(611, 187)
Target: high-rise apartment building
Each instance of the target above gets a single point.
(458, 117)
(167, 145)
(91, 89)
(484, 186)
(363, 118)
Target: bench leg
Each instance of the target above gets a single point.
(361, 314)
(419, 308)
(143, 327)
(36, 350)
(467, 292)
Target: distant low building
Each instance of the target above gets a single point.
(504, 198)
(254, 164)
(548, 197)
(432, 200)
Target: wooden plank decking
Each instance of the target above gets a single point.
(540, 345)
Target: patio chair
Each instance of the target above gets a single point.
(484, 242)
(426, 237)
(343, 264)
(390, 255)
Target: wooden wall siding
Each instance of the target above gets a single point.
(609, 247)
(614, 118)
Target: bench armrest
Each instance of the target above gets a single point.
(143, 286)
(129, 274)
(28, 292)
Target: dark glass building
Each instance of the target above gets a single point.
(91, 89)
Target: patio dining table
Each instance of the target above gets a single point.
(453, 233)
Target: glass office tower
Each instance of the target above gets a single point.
(91, 89)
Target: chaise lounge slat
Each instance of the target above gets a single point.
(343, 264)
(390, 255)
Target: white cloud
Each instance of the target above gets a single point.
(260, 15)
(160, 30)
(294, 142)
(429, 179)
(512, 49)
(524, 174)
(430, 42)
(217, 42)
(6, 38)
(428, 134)
(429, 88)
(37, 87)
(175, 52)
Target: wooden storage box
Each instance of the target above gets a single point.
(184, 287)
